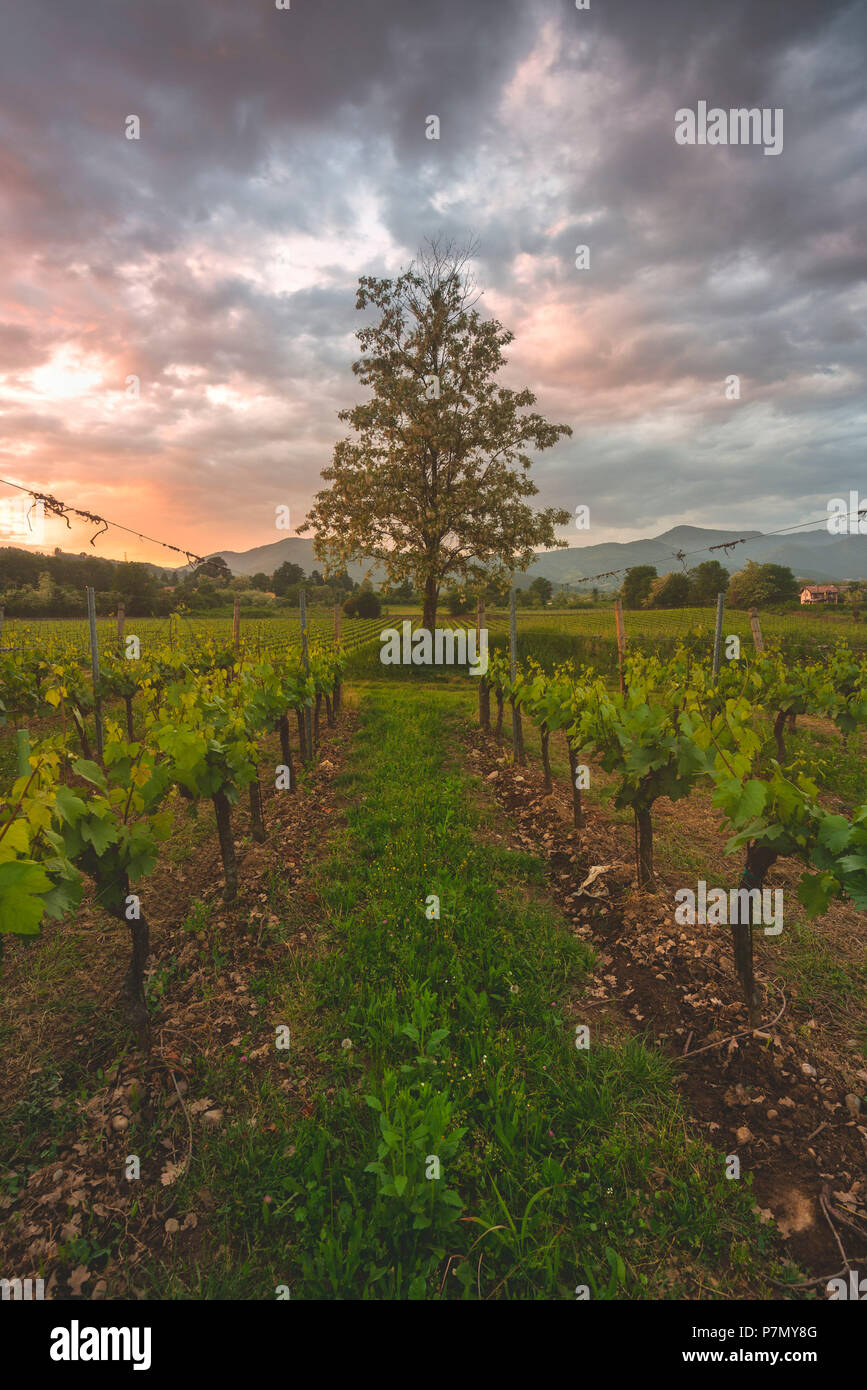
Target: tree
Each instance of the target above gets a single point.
(364, 603)
(706, 581)
(433, 485)
(137, 586)
(260, 581)
(285, 577)
(757, 584)
(669, 591)
(496, 592)
(367, 603)
(636, 585)
(457, 602)
(399, 593)
(214, 568)
(541, 589)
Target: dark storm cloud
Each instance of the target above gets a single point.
(283, 154)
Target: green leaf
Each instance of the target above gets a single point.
(752, 801)
(91, 772)
(834, 833)
(21, 906)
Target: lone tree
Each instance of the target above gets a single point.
(636, 585)
(432, 487)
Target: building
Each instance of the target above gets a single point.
(820, 593)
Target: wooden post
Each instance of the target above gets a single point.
(94, 667)
(121, 622)
(621, 641)
(236, 623)
(484, 688)
(305, 661)
(517, 730)
(337, 624)
(717, 640)
(758, 640)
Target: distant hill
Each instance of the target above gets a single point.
(265, 559)
(814, 555)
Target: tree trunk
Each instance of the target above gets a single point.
(316, 709)
(644, 850)
(759, 860)
(498, 731)
(779, 723)
(227, 845)
(484, 706)
(546, 765)
(329, 712)
(302, 737)
(577, 805)
(127, 699)
(517, 736)
(431, 596)
(257, 820)
(337, 694)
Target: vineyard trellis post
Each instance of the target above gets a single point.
(717, 639)
(756, 628)
(236, 623)
(517, 731)
(484, 688)
(94, 667)
(305, 661)
(121, 623)
(621, 642)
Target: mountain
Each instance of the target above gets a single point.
(814, 555)
(265, 559)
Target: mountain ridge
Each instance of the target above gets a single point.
(813, 555)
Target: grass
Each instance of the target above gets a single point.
(434, 1131)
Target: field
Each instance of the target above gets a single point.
(446, 1038)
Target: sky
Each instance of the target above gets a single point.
(283, 154)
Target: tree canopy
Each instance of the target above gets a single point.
(757, 584)
(433, 485)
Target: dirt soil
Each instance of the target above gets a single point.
(785, 1098)
(83, 1192)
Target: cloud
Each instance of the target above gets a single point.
(283, 154)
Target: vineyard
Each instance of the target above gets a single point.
(433, 1007)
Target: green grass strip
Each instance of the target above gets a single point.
(557, 1167)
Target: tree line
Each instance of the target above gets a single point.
(754, 586)
(34, 585)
